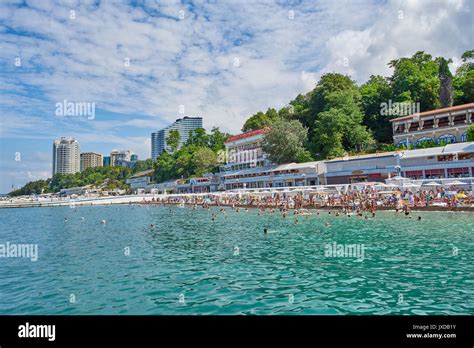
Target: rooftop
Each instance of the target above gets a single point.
(436, 112)
(247, 135)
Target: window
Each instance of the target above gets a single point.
(447, 138)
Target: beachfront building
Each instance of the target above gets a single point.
(117, 156)
(182, 125)
(448, 125)
(91, 160)
(284, 175)
(245, 151)
(66, 156)
(450, 161)
(141, 180)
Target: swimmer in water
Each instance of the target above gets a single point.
(152, 226)
(419, 218)
(265, 231)
(327, 224)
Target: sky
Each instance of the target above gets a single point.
(143, 64)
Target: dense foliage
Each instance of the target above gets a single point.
(197, 157)
(108, 178)
(342, 117)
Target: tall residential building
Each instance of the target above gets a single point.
(182, 125)
(106, 161)
(66, 156)
(90, 160)
(117, 156)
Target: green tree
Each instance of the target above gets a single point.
(198, 137)
(165, 167)
(285, 142)
(340, 129)
(416, 80)
(204, 160)
(373, 93)
(173, 139)
(470, 133)
(217, 139)
(261, 120)
(463, 82)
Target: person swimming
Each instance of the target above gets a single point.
(265, 230)
(152, 226)
(419, 218)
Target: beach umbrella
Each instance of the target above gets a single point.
(409, 185)
(455, 183)
(432, 183)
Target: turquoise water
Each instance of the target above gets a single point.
(191, 265)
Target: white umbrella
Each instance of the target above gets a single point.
(410, 185)
(432, 183)
(455, 183)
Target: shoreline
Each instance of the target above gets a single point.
(134, 200)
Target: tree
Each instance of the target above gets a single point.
(204, 160)
(261, 120)
(446, 82)
(173, 139)
(217, 139)
(463, 81)
(373, 93)
(141, 165)
(198, 137)
(470, 133)
(285, 142)
(164, 167)
(34, 187)
(340, 129)
(416, 80)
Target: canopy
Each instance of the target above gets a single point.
(432, 183)
(455, 183)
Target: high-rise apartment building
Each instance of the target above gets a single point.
(117, 156)
(182, 125)
(90, 160)
(66, 156)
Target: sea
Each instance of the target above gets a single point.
(167, 260)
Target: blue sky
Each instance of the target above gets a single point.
(222, 60)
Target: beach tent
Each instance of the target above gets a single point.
(455, 183)
(432, 183)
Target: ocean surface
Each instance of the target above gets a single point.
(189, 264)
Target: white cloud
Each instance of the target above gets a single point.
(190, 62)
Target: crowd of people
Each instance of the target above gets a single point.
(355, 199)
